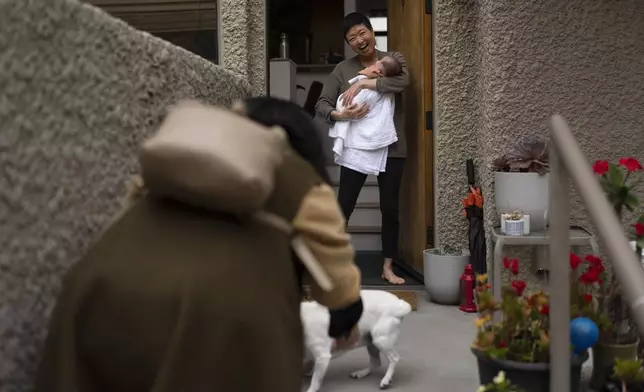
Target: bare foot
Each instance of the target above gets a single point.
(392, 278)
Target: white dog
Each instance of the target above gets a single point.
(379, 329)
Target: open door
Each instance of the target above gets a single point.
(409, 32)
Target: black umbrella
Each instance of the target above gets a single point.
(473, 211)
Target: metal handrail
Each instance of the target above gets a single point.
(568, 162)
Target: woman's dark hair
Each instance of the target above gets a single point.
(355, 19)
(300, 128)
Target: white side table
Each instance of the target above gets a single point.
(578, 237)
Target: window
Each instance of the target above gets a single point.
(190, 24)
(379, 25)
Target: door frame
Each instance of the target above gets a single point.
(417, 190)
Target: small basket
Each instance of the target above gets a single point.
(514, 228)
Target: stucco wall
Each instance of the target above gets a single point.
(503, 67)
(78, 92)
(242, 40)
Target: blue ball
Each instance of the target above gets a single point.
(583, 333)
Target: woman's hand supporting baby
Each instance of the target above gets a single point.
(351, 112)
(350, 94)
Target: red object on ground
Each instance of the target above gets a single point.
(467, 290)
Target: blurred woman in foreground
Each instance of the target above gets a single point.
(177, 297)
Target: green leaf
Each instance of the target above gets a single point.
(615, 175)
(640, 243)
(631, 201)
(498, 353)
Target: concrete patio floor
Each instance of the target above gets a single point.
(435, 356)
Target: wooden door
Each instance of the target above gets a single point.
(409, 32)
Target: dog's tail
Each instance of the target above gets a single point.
(401, 308)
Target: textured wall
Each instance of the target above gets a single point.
(242, 40)
(78, 92)
(505, 66)
(457, 111)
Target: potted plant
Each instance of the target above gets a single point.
(443, 267)
(519, 344)
(500, 383)
(619, 338)
(521, 181)
(628, 376)
(514, 224)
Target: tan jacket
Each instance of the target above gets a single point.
(319, 220)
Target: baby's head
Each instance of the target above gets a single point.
(389, 66)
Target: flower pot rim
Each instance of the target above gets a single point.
(576, 360)
(617, 345)
(428, 252)
(522, 173)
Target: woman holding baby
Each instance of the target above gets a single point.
(386, 73)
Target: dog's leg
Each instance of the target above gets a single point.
(319, 371)
(393, 358)
(374, 362)
(385, 335)
(322, 357)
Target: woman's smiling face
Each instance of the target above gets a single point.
(361, 39)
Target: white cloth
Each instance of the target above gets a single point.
(363, 161)
(362, 145)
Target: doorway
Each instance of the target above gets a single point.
(316, 43)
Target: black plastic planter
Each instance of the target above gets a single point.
(616, 386)
(531, 377)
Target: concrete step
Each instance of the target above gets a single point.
(366, 215)
(366, 241)
(334, 173)
(369, 194)
(365, 238)
(365, 222)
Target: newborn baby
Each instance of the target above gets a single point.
(387, 66)
(361, 144)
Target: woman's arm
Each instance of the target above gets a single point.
(322, 227)
(326, 104)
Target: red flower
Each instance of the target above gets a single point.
(593, 260)
(574, 261)
(639, 229)
(502, 344)
(595, 263)
(545, 310)
(588, 298)
(601, 167)
(631, 164)
(519, 286)
(512, 265)
(590, 276)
